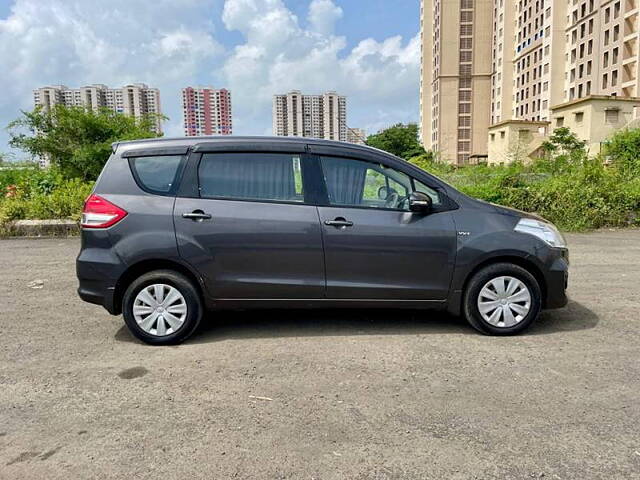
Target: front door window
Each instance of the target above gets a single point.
(357, 183)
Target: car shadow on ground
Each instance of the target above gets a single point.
(237, 325)
(574, 317)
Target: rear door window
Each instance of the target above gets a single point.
(158, 174)
(251, 176)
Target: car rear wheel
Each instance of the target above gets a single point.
(502, 299)
(162, 307)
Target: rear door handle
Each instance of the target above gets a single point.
(197, 215)
(338, 222)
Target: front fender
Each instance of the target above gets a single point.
(476, 251)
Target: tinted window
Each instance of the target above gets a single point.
(251, 176)
(156, 174)
(365, 184)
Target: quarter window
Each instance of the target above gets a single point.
(366, 184)
(251, 176)
(157, 174)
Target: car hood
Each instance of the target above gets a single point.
(514, 212)
(502, 210)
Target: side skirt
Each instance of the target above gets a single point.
(251, 303)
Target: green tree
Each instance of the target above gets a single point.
(563, 152)
(76, 139)
(564, 142)
(623, 150)
(400, 140)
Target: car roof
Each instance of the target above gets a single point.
(171, 142)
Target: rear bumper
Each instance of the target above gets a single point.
(98, 295)
(98, 270)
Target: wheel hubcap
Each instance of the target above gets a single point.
(504, 302)
(160, 309)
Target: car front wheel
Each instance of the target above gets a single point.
(502, 299)
(162, 307)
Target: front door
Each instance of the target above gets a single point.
(249, 232)
(375, 248)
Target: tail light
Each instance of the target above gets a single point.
(99, 213)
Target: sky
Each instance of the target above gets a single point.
(368, 50)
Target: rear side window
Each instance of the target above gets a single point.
(251, 176)
(157, 174)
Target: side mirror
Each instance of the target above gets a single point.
(420, 202)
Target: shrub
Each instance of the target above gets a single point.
(571, 190)
(623, 151)
(42, 194)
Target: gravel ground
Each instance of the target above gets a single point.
(323, 394)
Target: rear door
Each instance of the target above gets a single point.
(248, 227)
(375, 248)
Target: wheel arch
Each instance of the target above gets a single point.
(455, 306)
(149, 265)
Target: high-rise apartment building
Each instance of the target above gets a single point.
(573, 61)
(602, 48)
(317, 116)
(456, 76)
(136, 99)
(206, 111)
(537, 63)
(543, 54)
(562, 51)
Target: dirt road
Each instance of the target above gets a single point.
(324, 395)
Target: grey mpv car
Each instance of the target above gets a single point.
(175, 227)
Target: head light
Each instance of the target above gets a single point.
(546, 232)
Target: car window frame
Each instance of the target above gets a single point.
(191, 179)
(446, 203)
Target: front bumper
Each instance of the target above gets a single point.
(557, 280)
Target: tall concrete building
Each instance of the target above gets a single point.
(456, 77)
(527, 59)
(560, 51)
(538, 65)
(206, 111)
(572, 63)
(602, 48)
(543, 55)
(135, 99)
(317, 116)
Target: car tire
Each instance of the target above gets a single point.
(512, 290)
(177, 315)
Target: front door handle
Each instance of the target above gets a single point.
(197, 215)
(338, 222)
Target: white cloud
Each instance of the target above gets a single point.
(171, 44)
(77, 42)
(381, 79)
(323, 14)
